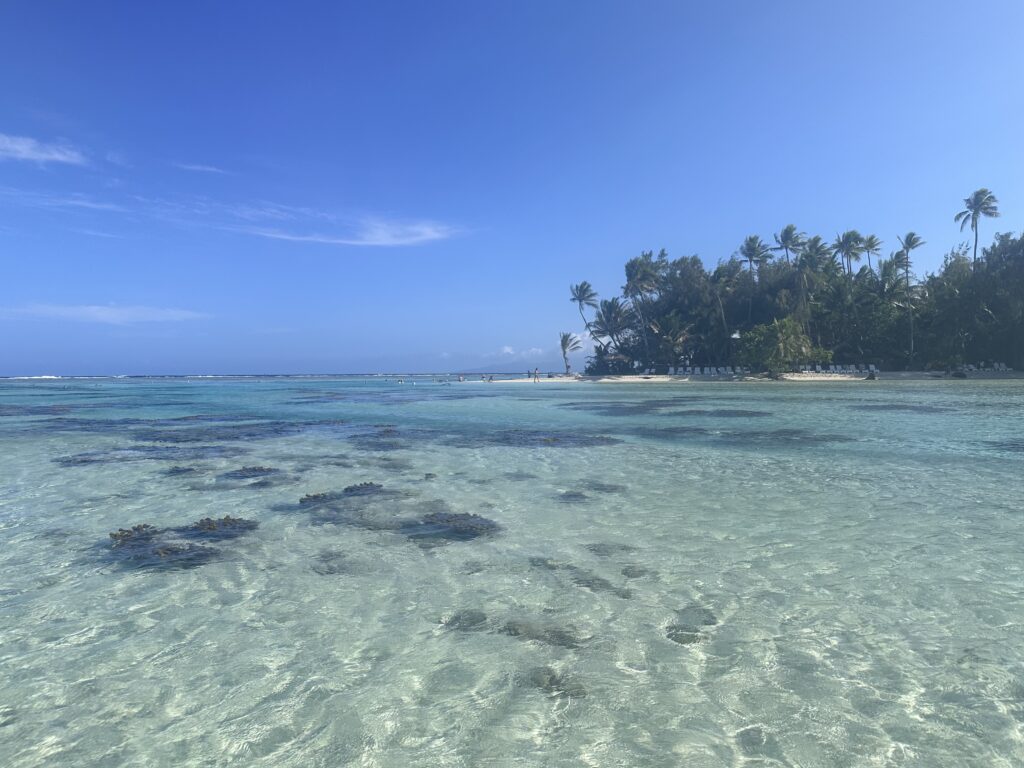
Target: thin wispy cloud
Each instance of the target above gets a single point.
(108, 314)
(32, 150)
(97, 233)
(200, 168)
(509, 352)
(369, 232)
(57, 200)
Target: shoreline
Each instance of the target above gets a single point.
(886, 376)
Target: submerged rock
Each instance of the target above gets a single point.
(697, 615)
(331, 563)
(519, 476)
(598, 486)
(211, 529)
(527, 630)
(523, 438)
(683, 634)
(572, 497)
(150, 453)
(249, 473)
(609, 549)
(362, 489)
(596, 583)
(177, 471)
(146, 546)
(450, 526)
(554, 684)
(582, 577)
(467, 620)
(137, 533)
(637, 572)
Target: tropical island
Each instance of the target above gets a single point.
(808, 302)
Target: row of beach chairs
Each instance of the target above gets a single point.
(706, 370)
(998, 367)
(838, 368)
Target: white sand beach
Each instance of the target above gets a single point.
(794, 377)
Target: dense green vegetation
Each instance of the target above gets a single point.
(804, 300)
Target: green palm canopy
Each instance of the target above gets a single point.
(981, 203)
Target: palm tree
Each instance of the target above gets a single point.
(674, 334)
(611, 320)
(755, 251)
(584, 295)
(570, 343)
(909, 241)
(641, 280)
(980, 203)
(872, 246)
(815, 257)
(847, 247)
(789, 240)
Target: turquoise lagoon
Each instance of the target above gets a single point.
(661, 575)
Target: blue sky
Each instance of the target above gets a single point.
(195, 187)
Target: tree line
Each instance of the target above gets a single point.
(807, 300)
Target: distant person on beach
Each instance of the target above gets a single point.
(536, 374)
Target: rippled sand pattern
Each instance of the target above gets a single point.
(701, 575)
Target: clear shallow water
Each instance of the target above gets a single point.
(692, 575)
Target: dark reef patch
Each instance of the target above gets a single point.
(791, 437)
(217, 529)
(525, 438)
(582, 577)
(145, 546)
(34, 410)
(722, 413)
(638, 572)
(519, 476)
(683, 634)
(151, 453)
(621, 408)
(265, 430)
(441, 527)
(179, 471)
(382, 441)
(248, 473)
(598, 486)
(899, 407)
(466, 620)
(609, 549)
(572, 497)
(331, 563)
(697, 615)
(554, 684)
(1013, 446)
(541, 633)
